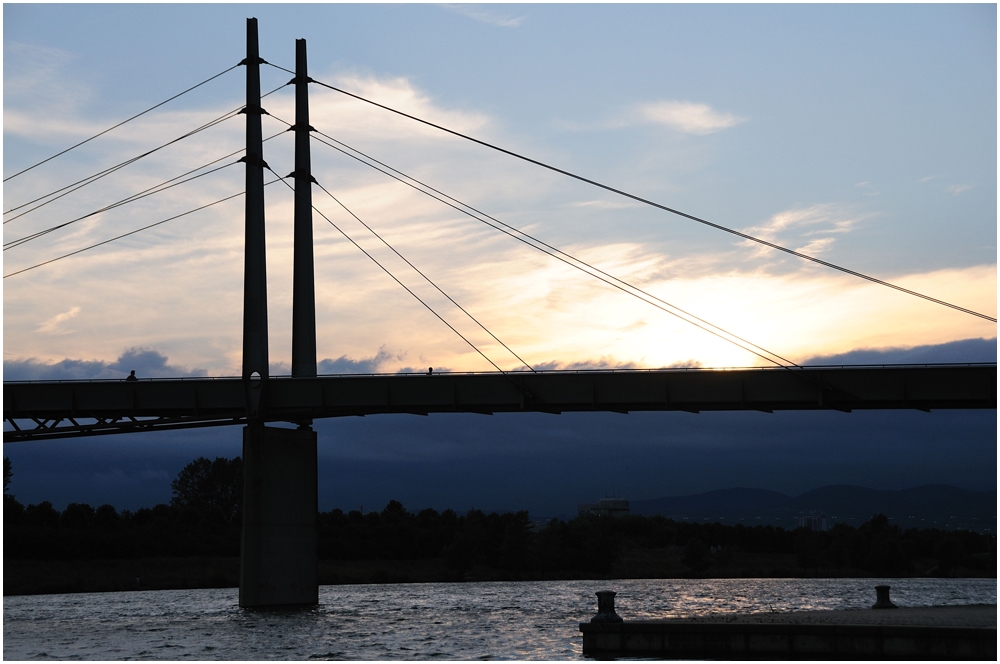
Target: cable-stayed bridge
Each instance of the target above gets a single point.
(280, 492)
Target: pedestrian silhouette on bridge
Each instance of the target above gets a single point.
(131, 376)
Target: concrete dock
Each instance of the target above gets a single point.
(940, 632)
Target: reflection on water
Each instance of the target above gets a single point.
(522, 620)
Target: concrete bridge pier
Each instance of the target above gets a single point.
(279, 560)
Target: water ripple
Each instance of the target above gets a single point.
(481, 621)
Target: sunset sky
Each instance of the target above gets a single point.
(861, 135)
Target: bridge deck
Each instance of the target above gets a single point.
(49, 409)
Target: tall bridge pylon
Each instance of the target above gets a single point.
(278, 550)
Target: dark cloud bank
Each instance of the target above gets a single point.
(966, 350)
(543, 463)
(145, 362)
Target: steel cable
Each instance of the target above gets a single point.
(100, 174)
(80, 184)
(138, 230)
(225, 71)
(553, 251)
(17, 243)
(645, 201)
(418, 271)
(428, 280)
(137, 196)
(393, 277)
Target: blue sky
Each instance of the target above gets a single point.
(863, 135)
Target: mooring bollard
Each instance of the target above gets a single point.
(606, 608)
(882, 598)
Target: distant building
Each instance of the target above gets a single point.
(604, 507)
(813, 521)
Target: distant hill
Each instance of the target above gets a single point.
(931, 506)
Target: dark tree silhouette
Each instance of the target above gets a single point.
(77, 515)
(106, 516)
(696, 554)
(211, 486)
(42, 514)
(13, 511)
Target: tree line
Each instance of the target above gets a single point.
(205, 513)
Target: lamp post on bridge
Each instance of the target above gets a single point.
(279, 564)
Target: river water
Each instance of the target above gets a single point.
(517, 620)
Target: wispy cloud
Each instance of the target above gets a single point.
(867, 189)
(53, 324)
(484, 15)
(396, 92)
(686, 116)
(957, 189)
(39, 67)
(605, 205)
(815, 224)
